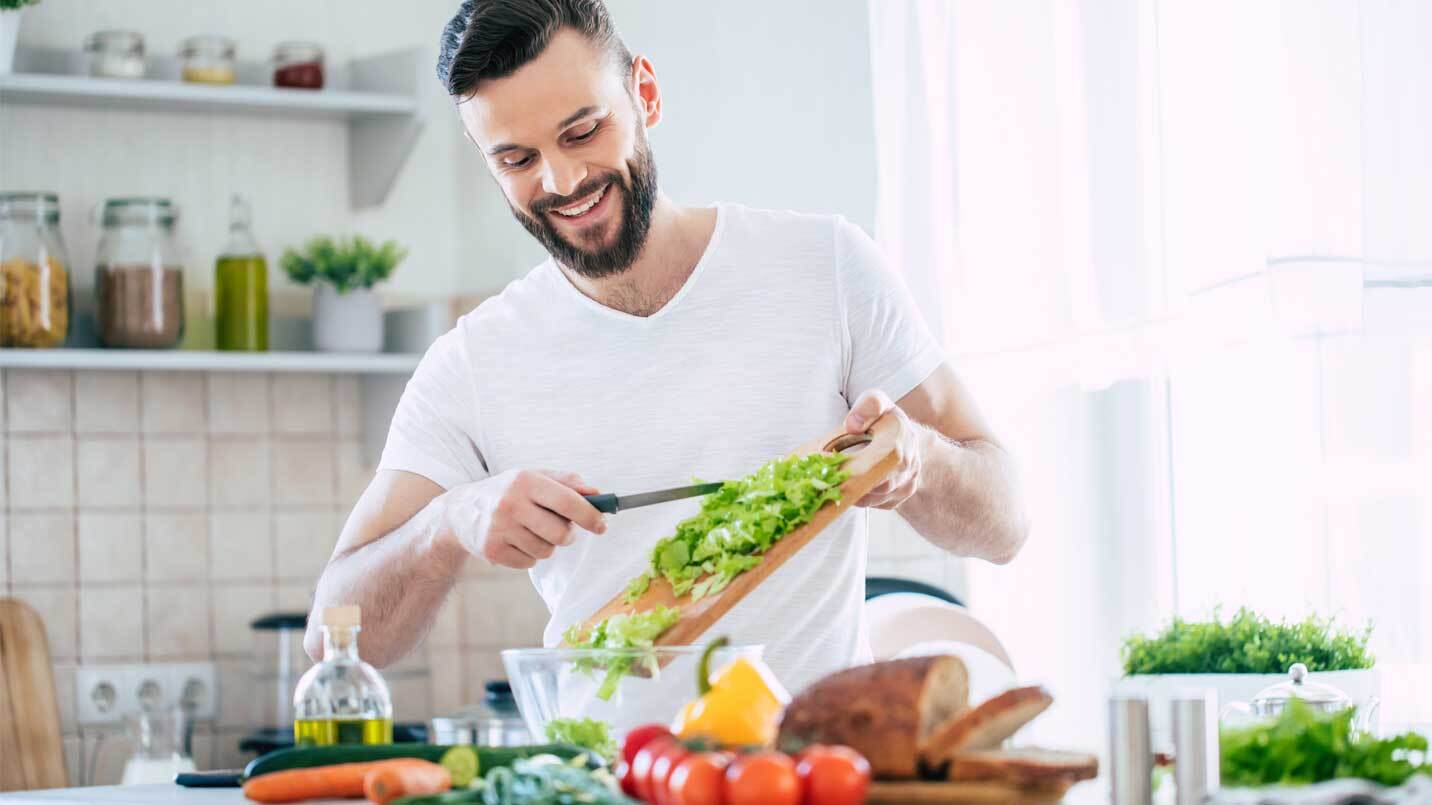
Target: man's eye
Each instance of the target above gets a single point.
(507, 163)
(586, 135)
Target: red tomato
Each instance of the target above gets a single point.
(763, 778)
(662, 768)
(833, 775)
(642, 763)
(639, 737)
(699, 780)
(626, 778)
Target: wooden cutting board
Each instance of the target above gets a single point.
(959, 793)
(31, 754)
(868, 466)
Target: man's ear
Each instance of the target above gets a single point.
(646, 91)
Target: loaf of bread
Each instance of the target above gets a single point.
(885, 710)
(1025, 768)
(985, 726)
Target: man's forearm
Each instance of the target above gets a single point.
(968, 501)
(399, 580)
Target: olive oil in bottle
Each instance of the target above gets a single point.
(342, 699)
(241, 287)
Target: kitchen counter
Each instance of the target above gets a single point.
(160, 793)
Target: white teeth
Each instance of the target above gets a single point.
(572, 212)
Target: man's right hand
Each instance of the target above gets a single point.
(520, 517)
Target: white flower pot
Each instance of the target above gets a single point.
(347, 322)
(9, 35)
(1362, 687)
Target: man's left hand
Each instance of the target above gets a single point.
(905, 479)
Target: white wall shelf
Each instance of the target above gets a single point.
(379, 98)
(195, 360)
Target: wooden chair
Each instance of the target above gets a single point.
(31, 754)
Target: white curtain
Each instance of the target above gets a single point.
(1182, 251)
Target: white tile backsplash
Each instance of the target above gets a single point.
(302, 472)
(172, 402)
(111, 546)
(106, 402)
(42, 548)
(107, 471)
(238, 403)
(41, 472)
(303, 541)
(112, 623)
(176, 546)
(235, 607)
(241, 546)
(39, 401)
(57, 607)
(239, 472)
(176, 471)
(303, 404)
(177, 622)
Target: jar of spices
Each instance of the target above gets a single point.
(208, 59)
(115, 54)
(139, 276)
(34, 272)
(298, 65)
(241, 287)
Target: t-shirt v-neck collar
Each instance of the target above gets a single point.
(671, 304)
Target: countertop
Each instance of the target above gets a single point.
(159, 792)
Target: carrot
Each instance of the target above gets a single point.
(339, 781)
(389, 780)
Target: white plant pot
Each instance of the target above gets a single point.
(1362, 687)
(9, 35)
(347, 322)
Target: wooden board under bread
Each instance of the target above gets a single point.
(893, 793)
(868, 467)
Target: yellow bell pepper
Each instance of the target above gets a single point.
(739, 705)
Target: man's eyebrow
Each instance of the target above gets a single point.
(570, 119)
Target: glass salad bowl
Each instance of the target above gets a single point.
(622, 687)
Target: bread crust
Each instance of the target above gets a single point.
(986, 725)
(1025, 768)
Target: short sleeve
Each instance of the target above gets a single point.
(888, 345)
(433, 433)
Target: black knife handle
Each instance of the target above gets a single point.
(226, 778)
(607, 504)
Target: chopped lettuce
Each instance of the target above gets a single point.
(637, 630)
(588, 733)
(740, 522)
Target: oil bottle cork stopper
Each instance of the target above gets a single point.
(344, 616)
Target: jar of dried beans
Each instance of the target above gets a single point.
(139, 275)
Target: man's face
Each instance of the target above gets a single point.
(564, 139)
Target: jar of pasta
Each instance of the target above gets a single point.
(139, 276)
(34, 272)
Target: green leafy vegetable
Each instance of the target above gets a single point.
(1247, 644)
(740, 522)
(1303, 746)
(344, 264)
(548, 780)
(622, 633)
(588, 733)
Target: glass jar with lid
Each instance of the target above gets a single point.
(298, 65)
(208, 59)
(115, 54)
(34, 272)
(139, 275)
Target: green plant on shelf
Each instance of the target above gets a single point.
(345, 264)
(1248, 643)
(11, 5)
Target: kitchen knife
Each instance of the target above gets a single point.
(611, 504)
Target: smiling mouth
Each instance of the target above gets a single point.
(582, 207)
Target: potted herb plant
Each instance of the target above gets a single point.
(1243, 656)
(10, 13)
(347, 313)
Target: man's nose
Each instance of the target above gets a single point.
(562, 176)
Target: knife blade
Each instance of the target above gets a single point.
(611, 504)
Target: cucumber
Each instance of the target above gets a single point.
(462, 764)
(303, 757)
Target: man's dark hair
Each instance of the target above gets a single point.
(493, 38)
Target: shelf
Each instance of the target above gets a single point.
(193, 360)
(379, 98)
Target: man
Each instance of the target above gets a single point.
(659, 343)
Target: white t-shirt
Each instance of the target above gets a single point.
(785, 320)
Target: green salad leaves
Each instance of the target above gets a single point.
(626, 635)
(588, 733)
(1303, 746)
(1247, 644)
(740, 522)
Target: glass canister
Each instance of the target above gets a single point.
(34, 272)
(208, 59)
(139, 275)
(115, 54)
(298, 65)
(241, 287)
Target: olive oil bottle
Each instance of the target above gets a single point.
(241, 287)
(342, 699)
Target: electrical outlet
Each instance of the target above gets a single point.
(104, 694)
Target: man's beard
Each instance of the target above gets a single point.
(638, 200)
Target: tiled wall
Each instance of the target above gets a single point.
(152, 516)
